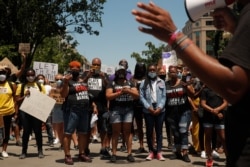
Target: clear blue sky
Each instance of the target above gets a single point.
(119, 36)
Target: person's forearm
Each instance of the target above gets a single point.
(209, 70)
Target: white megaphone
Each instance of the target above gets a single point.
(196, 8)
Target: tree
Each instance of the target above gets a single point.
(23, 21)
(152, 55)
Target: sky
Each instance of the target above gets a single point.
(119, 36)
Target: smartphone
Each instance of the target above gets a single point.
(188, 78)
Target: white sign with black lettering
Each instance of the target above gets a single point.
(49, 70)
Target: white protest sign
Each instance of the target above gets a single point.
(38, 104)
(169, 58)
(49, 70)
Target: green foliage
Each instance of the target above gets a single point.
(152, 55)
(32, 21)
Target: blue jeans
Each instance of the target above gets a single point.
(76, 117)
(179, 122)
(154, 121)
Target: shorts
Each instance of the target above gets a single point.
(122, 114)
(77, 117)
(210, 120)
(57, 114)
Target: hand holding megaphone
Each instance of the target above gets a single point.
(224, 19)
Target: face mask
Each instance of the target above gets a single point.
(179, 75)
(163, 77)
(41, 81)
(30, 78)
(2, 77)
(121, 76)
(75, 74)
(152, 75)
(58, 83)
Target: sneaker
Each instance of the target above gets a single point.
(113, 158)
(150, 156)
(84, 158)
(40, 154)
(160, 157)
(185, 158)
(141, 150)
(130, 158)
(176, 155)
(30, 138)
(203, 155)
(5, 154)
(22, 156)
(105, 153)
(215, 154)
(18, 143)
(68, 160)
(56, 141)
(123, 148)
(209, 163)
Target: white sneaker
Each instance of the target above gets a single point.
(215, 154)
(5, 154)
(30, 138)
(56, 141)
(203, 155)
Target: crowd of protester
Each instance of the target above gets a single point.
(123, 104)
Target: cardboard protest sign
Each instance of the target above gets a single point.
(24, 47)
(49, 70)
(38, 104)
(56, 95)
(8, 63)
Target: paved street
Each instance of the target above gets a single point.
(54, 157)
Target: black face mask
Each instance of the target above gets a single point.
(75, 74)
(163, 77)
(121, 76)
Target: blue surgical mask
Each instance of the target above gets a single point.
(152, 75)
(58, 83)
(2, 77)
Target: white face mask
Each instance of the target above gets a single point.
(41, 81)
(2, 77)
(30, 78)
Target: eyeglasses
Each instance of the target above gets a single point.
(96, 64)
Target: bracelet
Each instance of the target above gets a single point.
(186, 45)
(179, 41)
(173, 37)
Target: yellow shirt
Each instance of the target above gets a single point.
(7, 105)
(29, 85)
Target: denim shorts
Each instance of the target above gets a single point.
(122, 114)
(76, 117)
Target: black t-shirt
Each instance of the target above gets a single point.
(97, 89)
(78, 93)
(212, 99)
(124, 99)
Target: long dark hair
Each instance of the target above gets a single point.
(147, 79)
(140, 70)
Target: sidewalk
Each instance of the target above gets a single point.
(55, 158)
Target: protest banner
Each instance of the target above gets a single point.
(169, 58)
(38, 104)
(8, 63)
(49, 70)
(24, 47)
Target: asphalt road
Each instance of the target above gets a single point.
(55, 158)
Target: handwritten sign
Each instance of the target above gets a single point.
(24, 47)
(49, 70)
(55, 94)
(8, 63)
(38, 104)
(169, 58)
